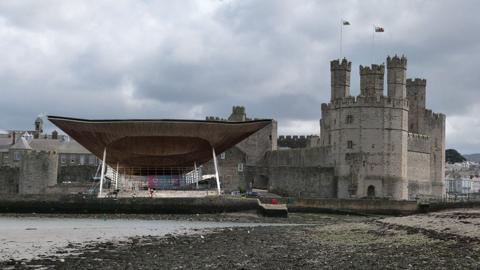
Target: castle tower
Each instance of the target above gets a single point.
(238, 114)
(416, 94)
(38, 172)
(396, 77)
(38, 127)
(371, 80)
(340, 78)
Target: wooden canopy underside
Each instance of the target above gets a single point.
(156, 143)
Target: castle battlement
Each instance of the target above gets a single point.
(416, 82)
(377, 101)
(215, 118)
(238, 109)
(374, 69)
(397, 62)
(341, 65)
(418, 143)
(434, 116)
(295, 141)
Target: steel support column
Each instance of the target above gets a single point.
(116, 177)
(216, 170)
(102, 174)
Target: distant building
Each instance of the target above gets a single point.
(30, 158)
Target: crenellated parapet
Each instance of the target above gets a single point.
(435, 120)
(372, 70)
(295, 141)
(344, 64)
(396, 62)
(215, 118)
(361, 101)
(418, 143)
(416, 82)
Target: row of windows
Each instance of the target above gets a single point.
(78, 159)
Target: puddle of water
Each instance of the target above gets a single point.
(31, 237)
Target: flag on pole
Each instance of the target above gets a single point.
(345, 22)
(379, 29)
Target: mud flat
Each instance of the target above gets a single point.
(457, 222)
(327, 242)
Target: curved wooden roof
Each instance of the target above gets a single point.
(149, 143)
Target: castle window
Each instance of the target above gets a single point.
(62, 159)
(72, 159)
(240, 167)
(349, 144)
(82, 160)
(349, 119)
(17, 156)
(91, 160)
(222, 155)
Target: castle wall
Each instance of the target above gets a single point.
(9, 180)
(304, 182)
(38, 171)
(304, 172)
(419, 180)
(435, 129)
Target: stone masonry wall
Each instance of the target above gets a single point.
(303, 182)
(38, 171)
(76, 173)
(418, 143)
(419, 182)
(9, 180)
(305, 172)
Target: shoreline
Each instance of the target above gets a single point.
(328, 242)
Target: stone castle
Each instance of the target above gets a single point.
(370, 145)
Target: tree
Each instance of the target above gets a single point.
(453, 156)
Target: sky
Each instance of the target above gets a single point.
(191, 59)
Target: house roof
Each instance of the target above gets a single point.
(21, 144)
(156, 143)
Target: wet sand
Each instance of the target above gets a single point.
(327, 242)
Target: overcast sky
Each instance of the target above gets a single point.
(190, 59)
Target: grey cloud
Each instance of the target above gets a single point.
(189, 59)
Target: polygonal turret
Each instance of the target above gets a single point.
(340, 78)
(396, 77)
(371, 80)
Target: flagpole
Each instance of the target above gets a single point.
(373, 45)
(341, 34)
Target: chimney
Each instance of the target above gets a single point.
(13, 137)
